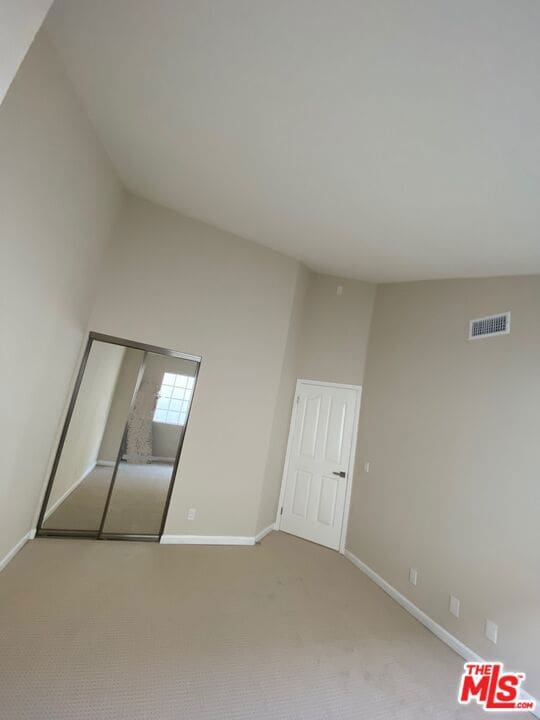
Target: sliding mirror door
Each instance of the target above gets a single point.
(115, 466)
(155, 429)
(86, 464)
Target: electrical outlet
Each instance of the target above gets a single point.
(339, 290)
(455, 605)
(191, 513)
(413, 576)
(492, 631)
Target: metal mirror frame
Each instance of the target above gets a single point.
(99, 534)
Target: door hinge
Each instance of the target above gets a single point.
(281, 511)
(297, 399)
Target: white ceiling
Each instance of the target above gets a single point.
(378, 139)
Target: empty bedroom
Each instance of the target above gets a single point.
(270, 321)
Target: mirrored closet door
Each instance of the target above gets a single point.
(115, 466)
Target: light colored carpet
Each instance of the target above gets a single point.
(136, 504)
(285, 630)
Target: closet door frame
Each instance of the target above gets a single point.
(98, 534)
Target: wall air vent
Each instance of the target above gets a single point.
(488, 326)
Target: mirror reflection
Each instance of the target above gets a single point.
(155, 427)
(116, 463)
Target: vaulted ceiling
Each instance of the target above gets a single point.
(383, 140)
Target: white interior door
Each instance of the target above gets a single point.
(319, 462)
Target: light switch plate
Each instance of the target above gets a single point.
(413, 576)
(492, 631)
(454, 606)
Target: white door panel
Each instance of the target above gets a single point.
(328, 495)
(318, 462)
(302, 488)
(309, 424)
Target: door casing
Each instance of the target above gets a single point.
(352, 456)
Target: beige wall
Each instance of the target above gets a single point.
(334, 329)
(58, 201)
(80, 450)
(121, 401)
(283, 407)
(451, 429)
(181, 284)
(165, 439)
(328, 338)
(19, 22)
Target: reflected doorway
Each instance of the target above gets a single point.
(114, 470)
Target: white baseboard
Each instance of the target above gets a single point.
(263, 533)
(524, 695)
(127, 458)
(68, 492)
(456, 645)
(155, 458)
(438, 630)
(207, 540)
(215, 539)
(14, 550)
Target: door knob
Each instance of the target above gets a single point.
(341, 474)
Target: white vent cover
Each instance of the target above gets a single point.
(491, 325)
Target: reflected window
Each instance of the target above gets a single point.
(174, 399)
